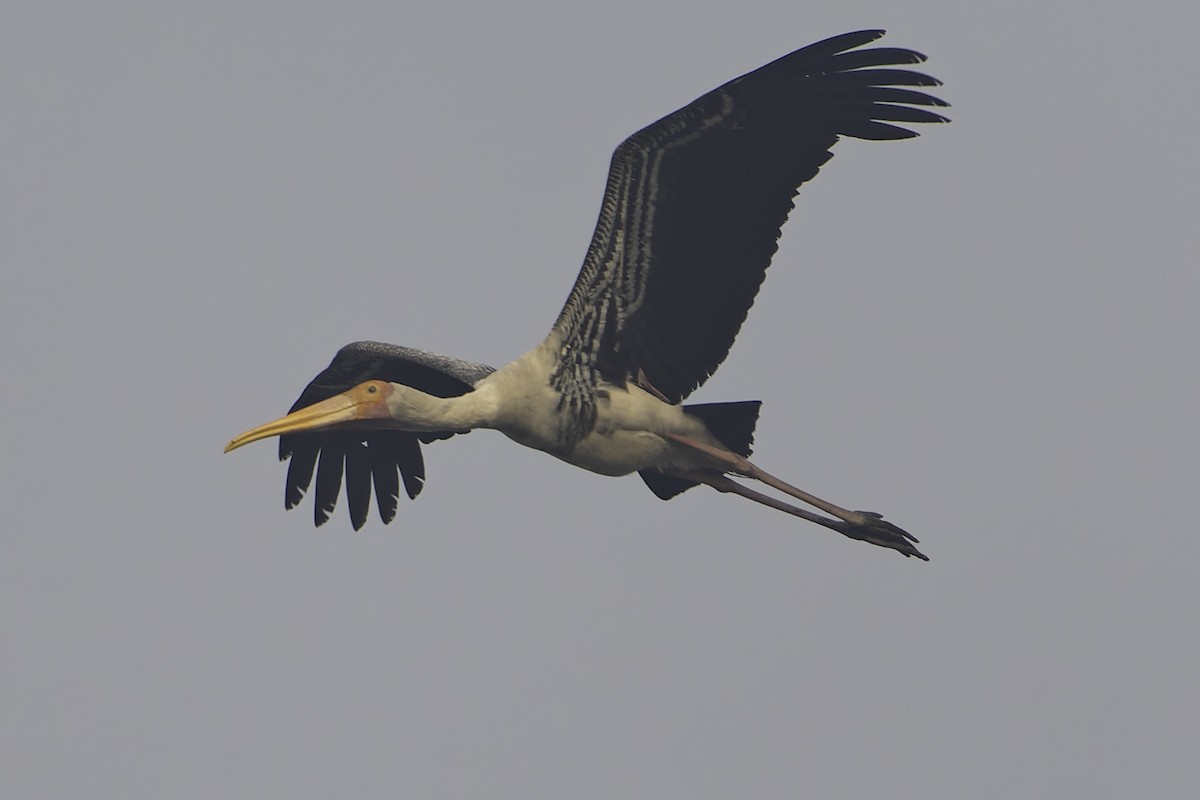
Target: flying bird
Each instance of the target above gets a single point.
(690, 219)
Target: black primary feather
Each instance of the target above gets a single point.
(694, 204)
(379, 459)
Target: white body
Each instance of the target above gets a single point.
(518, 401)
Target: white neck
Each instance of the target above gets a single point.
(414, 410)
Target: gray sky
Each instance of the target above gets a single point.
(989, 334)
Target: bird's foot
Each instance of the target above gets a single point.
(867, 526)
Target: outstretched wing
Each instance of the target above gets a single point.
(694, 205)
(370, 458)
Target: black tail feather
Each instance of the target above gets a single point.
(732, 424)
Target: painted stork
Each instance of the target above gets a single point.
(690, 219)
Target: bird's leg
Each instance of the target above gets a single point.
(863, 525)
(724, 484)
(884, 537)
(741, 465)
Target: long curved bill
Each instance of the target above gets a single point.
(363, 402)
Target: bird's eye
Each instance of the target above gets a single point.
(372, 389)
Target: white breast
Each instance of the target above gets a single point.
(630, 428)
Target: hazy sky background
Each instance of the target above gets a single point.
(990, 334)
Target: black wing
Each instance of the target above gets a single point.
(695, 202)
(379, 458)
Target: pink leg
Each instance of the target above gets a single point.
(863, 525)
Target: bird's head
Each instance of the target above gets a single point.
(368, 405)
